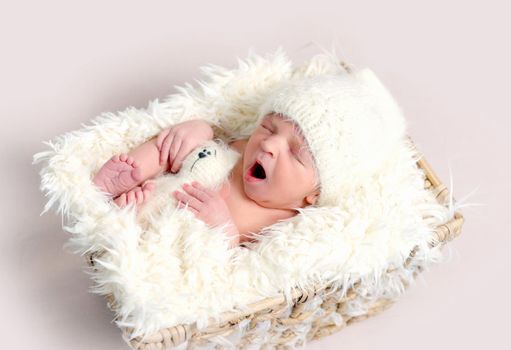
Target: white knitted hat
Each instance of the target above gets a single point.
(350, 122)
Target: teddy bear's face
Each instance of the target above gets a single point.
(208, 163)
(199, 159)
(201, 154)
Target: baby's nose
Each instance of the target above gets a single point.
(273, 144)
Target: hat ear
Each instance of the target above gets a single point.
(370, 79)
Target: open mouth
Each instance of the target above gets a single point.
(256, 172)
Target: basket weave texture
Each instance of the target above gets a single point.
(273, 324)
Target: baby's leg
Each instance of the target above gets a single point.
(147, 155)
(125, 171)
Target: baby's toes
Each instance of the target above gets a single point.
(123, 157)
(130, 160)
(116, 158)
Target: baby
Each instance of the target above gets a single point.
(274, 175)
(335, 131)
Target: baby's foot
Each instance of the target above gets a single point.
(120, 174)
(137, 195)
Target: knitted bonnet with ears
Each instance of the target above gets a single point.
(351, 124)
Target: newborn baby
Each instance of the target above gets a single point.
(335, 131)
(274, 175)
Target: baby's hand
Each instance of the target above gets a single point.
(176, 142)
(207, 205)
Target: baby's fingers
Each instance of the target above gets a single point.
(174, 149)
(178, 159)
(181, 154)
(165, 148)
(161, 136)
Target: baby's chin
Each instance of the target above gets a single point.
(256, 193)
(265, 201)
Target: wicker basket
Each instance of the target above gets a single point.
(276, 310)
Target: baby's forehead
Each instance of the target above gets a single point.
(277, 118)
(280, 119)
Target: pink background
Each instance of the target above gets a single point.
(447, 63)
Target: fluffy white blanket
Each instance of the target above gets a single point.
(177, 270)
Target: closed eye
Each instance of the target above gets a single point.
(296, 156)
(295, 153)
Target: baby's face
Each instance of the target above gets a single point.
(287, 179)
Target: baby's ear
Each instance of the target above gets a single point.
(312, 198)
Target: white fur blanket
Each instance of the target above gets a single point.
(180, 271)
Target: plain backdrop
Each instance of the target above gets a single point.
(446, 62)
